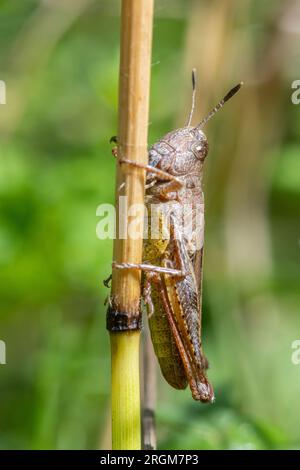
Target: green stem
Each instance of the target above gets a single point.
(126, 421)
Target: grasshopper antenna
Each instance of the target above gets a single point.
(220, 105)
(193, 97)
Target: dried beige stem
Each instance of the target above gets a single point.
(124, 311)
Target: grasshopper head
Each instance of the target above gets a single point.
(180, 152)
(188, 142)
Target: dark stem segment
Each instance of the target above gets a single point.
(121, 321)
(149, 438)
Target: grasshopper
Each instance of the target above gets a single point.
(172, 265)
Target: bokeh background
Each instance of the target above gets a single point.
(59, 59)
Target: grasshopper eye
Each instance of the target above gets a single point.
(154, 158)
(200, 149)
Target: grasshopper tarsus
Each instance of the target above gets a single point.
(107, 281)
(113, 139)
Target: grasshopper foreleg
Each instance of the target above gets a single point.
(156, 171)
(174, 183)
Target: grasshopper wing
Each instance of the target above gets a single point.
(164, 344)
(184, 318)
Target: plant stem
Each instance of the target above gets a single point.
(125, 391)
(123, 318)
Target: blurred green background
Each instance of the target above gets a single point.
(59, 59)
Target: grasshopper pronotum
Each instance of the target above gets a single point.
(172, 265)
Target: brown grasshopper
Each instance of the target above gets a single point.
(172, 265)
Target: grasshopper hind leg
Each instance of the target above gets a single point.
(165, 348)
